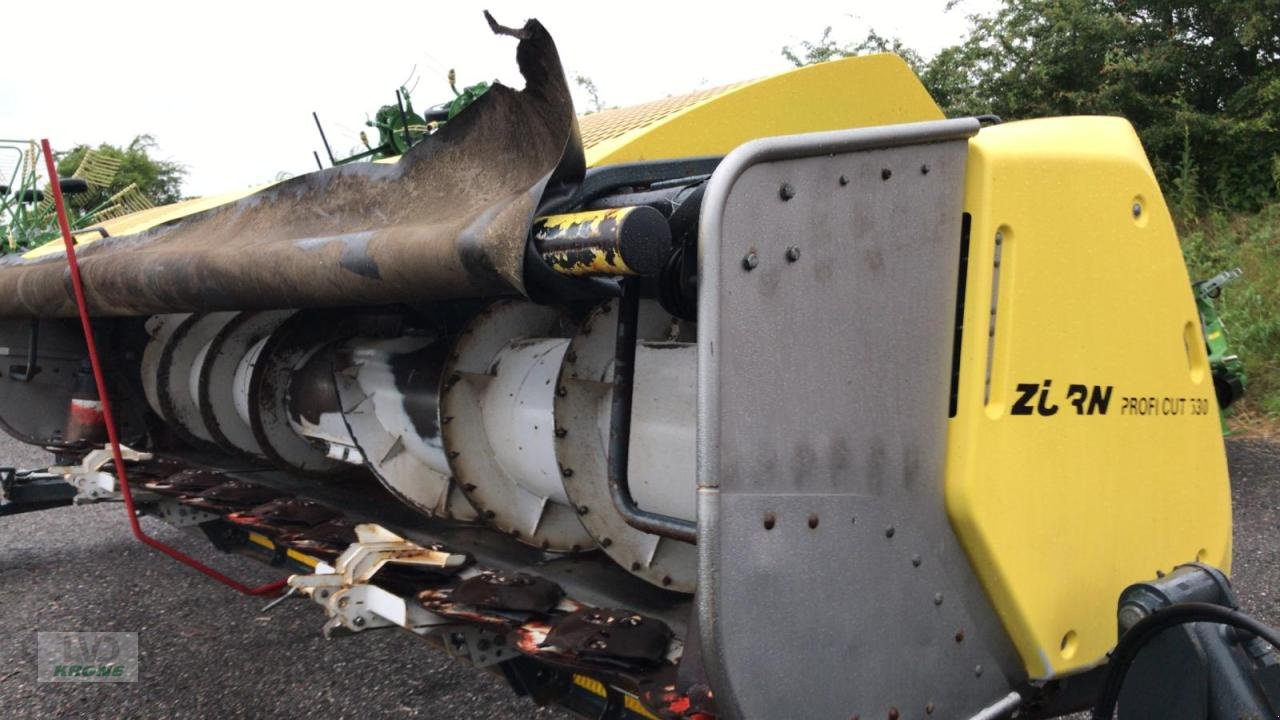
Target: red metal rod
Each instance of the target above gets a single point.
(77, 286)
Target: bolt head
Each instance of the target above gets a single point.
(1131, 615)
(1137, 210)
(786, 191)
(886, 173)
(793, 253)
(750, 261)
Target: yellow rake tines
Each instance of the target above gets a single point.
(97, 169)
(127, 201)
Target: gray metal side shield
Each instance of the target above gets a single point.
(830, 582)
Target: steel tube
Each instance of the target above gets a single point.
(620, 429)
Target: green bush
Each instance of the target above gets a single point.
(1249, 306)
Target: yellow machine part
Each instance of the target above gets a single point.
(1093, 459)
(853, 92)
(849, 93)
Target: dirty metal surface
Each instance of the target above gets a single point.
(183, 355)
(35, 410)
(450, 219)
(217, 384)
(591, 578)
(390, 395)
(501, 492)
(829, 268)
(305, 337)
(656, 457)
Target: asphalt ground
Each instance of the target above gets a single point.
(209, 653)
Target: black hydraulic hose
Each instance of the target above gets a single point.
(624, 363)
(1148, 628)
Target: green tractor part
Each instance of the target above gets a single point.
(27, 216)
(400, 127)
(1228, 371)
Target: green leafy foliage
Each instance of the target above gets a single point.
(1248, 307)
(1199, 79)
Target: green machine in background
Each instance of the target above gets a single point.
(1228, 371)
(26, 205)
(400, 127)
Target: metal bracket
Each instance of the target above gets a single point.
(353, 604)
(91, 482)
(24, 374)
(481, 647)
(179, 515)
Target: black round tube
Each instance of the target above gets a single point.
(1127, 649)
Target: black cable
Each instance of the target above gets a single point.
(1145, 630)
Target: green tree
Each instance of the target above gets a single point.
(826, 48)
(160, 181)
(1199, 79)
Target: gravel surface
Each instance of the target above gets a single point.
(207, 652)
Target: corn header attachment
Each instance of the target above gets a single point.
(727, 406)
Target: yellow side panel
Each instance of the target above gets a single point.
(848, 93)
(1107, 464)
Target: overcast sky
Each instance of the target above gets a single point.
(227, 87)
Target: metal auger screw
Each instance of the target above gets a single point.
(750, 261)
(786, 191)
(793, 253)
